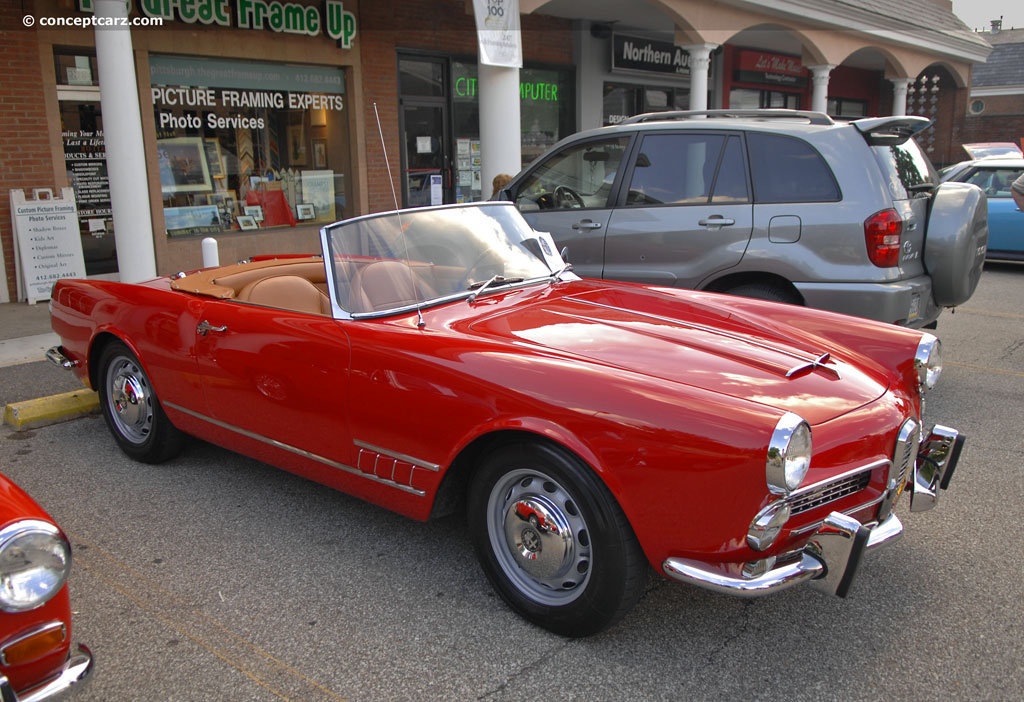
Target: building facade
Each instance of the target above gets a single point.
(262, 120)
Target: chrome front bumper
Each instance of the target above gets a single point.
(76, 669)
(829, 561)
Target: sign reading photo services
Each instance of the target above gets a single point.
(273, 15)
(248, 145)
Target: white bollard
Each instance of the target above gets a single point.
(211, 256)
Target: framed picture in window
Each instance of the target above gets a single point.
(246, 222)
(319, 153)
(305, 211)
(255, 211)
(183, 165)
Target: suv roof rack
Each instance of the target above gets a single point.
(819, 118)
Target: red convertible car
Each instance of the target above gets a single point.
(37, 660)
(443, 357)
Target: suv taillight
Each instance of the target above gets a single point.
(882, 235)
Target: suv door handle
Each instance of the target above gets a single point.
(586, 224)
(716, 221)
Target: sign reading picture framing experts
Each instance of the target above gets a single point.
(47, 242)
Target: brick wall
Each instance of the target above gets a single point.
(430, 26)
(1001, 120)
(25, 157)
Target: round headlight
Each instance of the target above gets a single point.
(928, 361)
(789, 454)
(34, 563)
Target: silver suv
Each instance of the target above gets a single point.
(777, 204)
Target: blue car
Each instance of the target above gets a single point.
(1005, 220)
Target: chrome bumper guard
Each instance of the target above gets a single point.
(829, 561)
(76, 669)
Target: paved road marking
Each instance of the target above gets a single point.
(273, 675)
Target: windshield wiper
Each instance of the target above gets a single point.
(478, 288)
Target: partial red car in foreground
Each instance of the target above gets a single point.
(446, 357)
(37, 660)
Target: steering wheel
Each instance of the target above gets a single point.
(567, 198)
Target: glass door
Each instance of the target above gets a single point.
(426, 171)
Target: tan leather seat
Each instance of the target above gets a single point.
(385, 285)
(289, 292)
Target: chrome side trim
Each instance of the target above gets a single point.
(400, 456)
(298, 451)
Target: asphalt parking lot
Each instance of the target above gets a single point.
(215, 577)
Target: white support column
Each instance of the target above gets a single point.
(700, 67)
(122, 135)
(820, 75)
(500, 129)
(899, 96)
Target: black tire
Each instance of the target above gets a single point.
(553, 541)
(765, 291)
(132, 410)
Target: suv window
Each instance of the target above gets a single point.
(680, 169)
(787, 169)
(905, 166)
(580, 176)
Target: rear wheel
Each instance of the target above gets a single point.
(553, 541)
(132, 410)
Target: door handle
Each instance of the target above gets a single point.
(205, 327)
(586, 224)
(716, 221)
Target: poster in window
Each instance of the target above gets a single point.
(213, 158)
(183, 166)
(318, 190)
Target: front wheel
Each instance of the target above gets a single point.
(132, 410)
(553, 541)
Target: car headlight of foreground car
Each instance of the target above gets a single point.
(789, 458)
(789, 454)
(35, 560)
(928, 361)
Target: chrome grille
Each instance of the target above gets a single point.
(825, 493)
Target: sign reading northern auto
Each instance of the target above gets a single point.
(632, 53)
(273, 15)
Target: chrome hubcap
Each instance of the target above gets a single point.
(130, 403)
(539, 537)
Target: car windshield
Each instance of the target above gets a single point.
(399, 260)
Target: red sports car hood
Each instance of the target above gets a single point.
(714, 349)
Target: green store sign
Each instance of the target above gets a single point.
(331, 20)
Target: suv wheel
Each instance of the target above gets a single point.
(765, 291)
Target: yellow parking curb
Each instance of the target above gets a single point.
(32, 414)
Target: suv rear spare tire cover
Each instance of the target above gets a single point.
(954, 249)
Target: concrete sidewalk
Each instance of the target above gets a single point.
(33, 391)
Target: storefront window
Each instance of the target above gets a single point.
(750, 99)
(623, 100)
(85, 159)
(546, 115)
(245, 145)
(843, 107)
